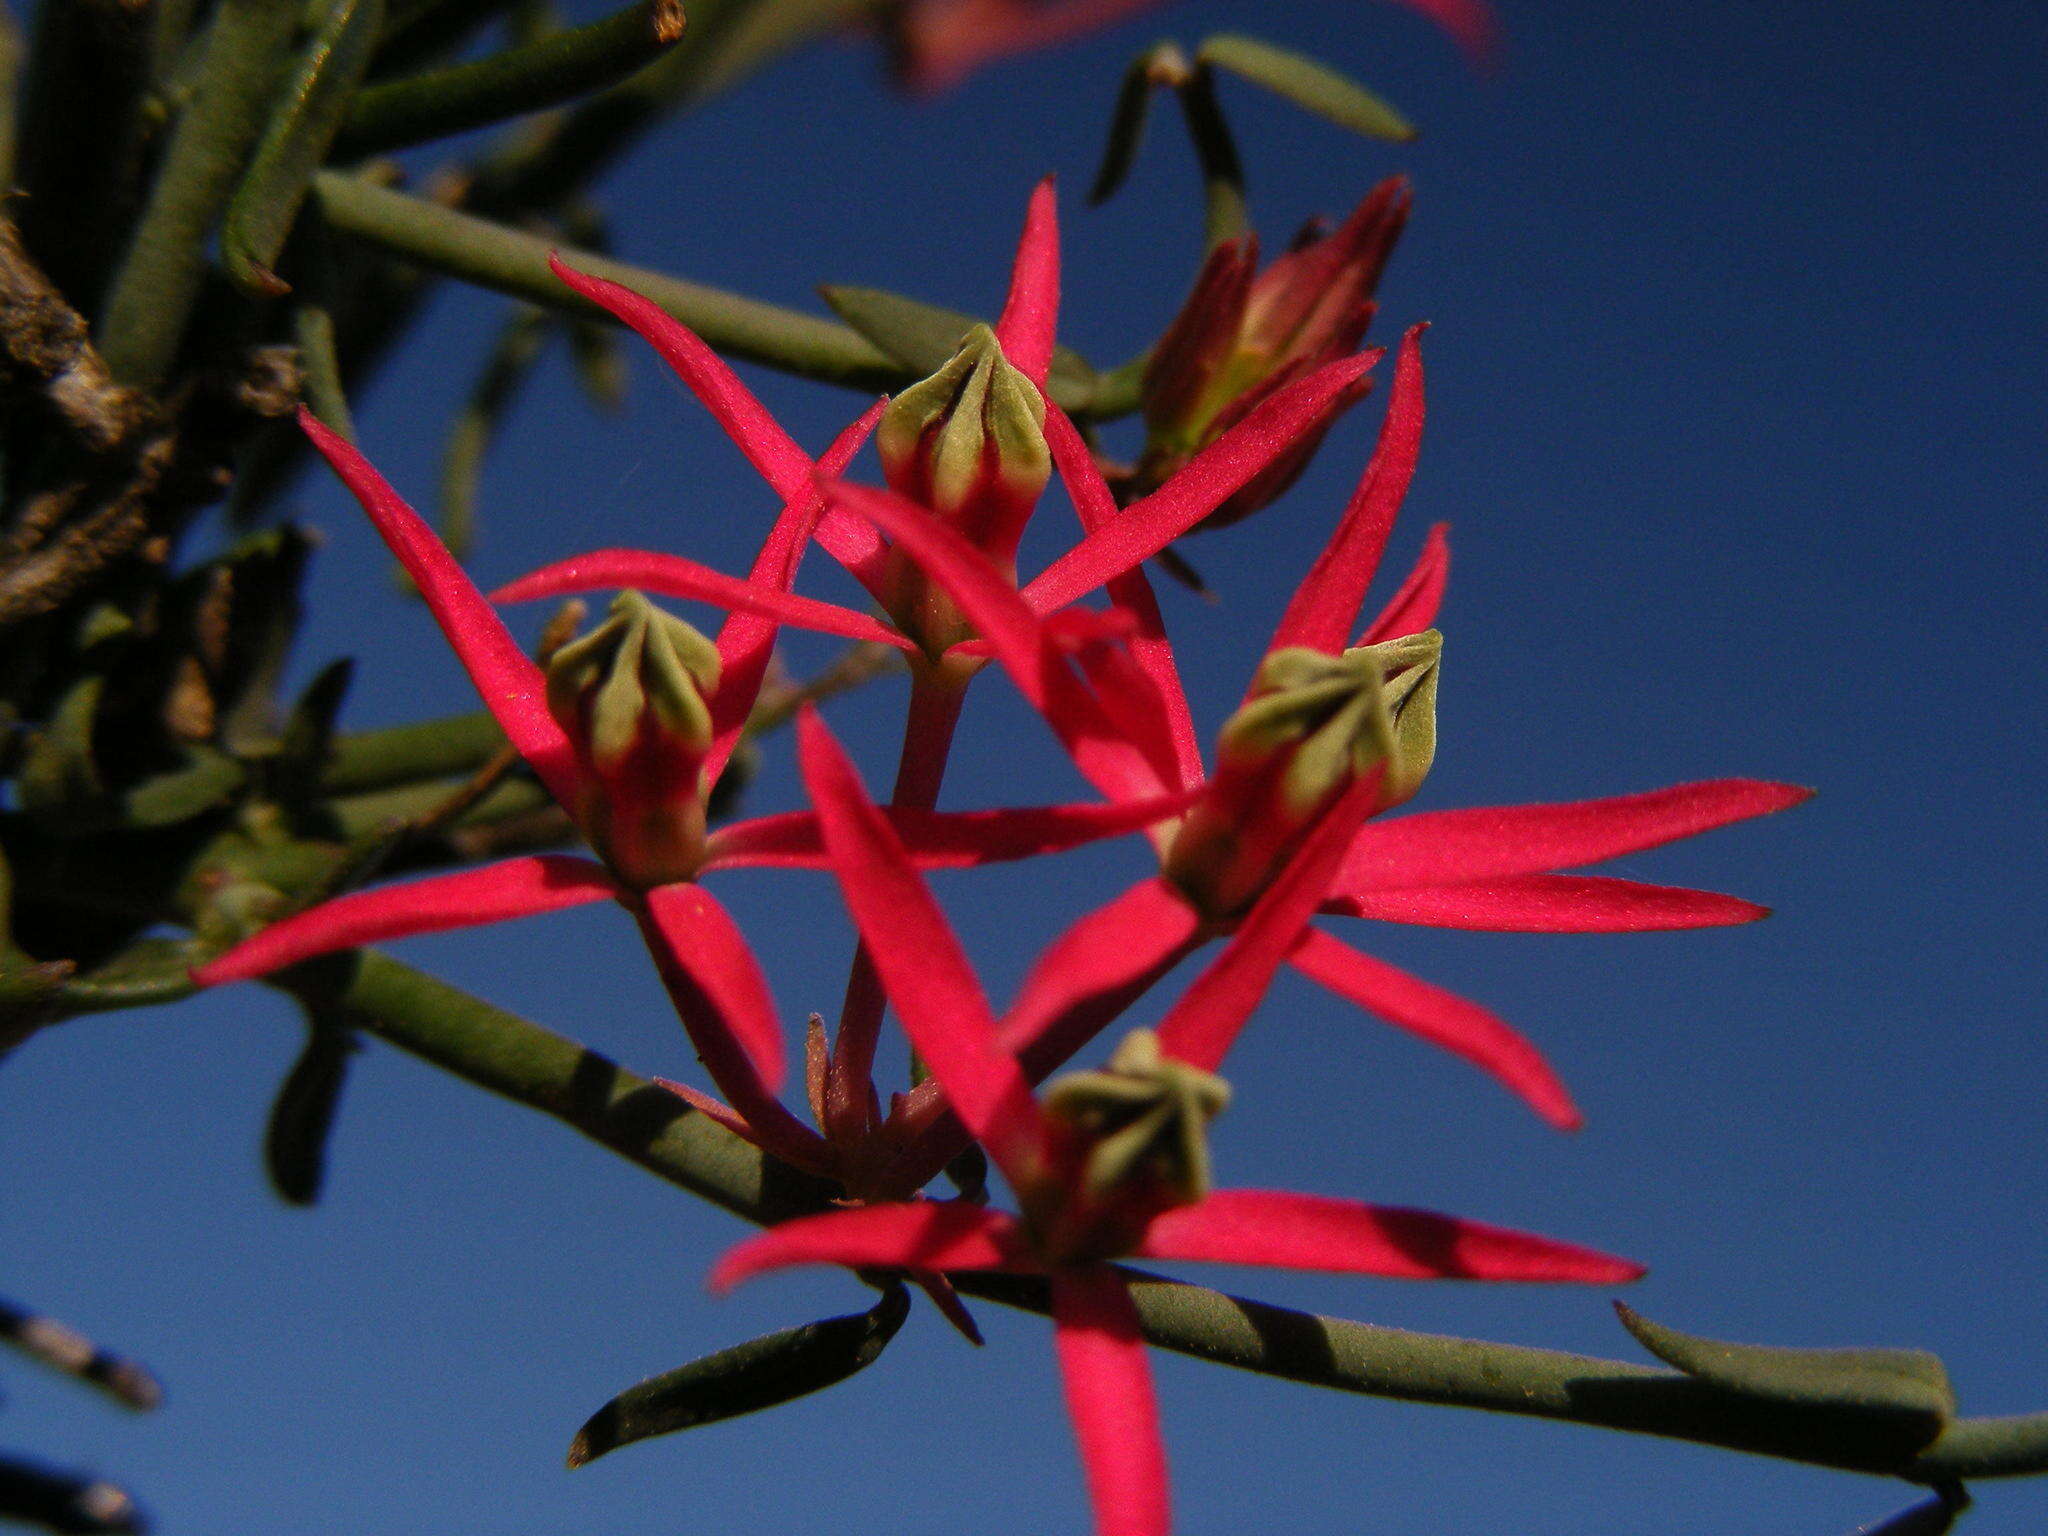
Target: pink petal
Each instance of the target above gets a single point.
(1325, 607)
(1085, 979)
(1258, 1226)
(1443, 1018)
(944, 839)
(1472, 24)
(511, 686)
(948, 41)
(923, 969)
(1554, 904)
(932, 1235)
(673, 576)
(1104, 755)
(1032, 310)
(1414, 607)
(1110, 1398)
(494, 894)
(719, 990)
(1095, 970)
(1202, 1025)
(1502, 841)
(772, 452)
(746, 642)
(1167, 726)
(1209, 479)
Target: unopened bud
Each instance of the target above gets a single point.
(969, 442)
(1240, 337)
(1313, 724)
(1143, 1121)
(633, 696)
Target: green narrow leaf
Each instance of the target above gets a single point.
(307, 740)
(206, 782)
(302, 1118)
(760, 1373)
(506, 369)
(923, 337)
(1903, 1384)
(58, 769)
(1161, 64)
(1312, 86)
(1930, 1517)
(143, 322)
(308, 112)
(1216, 153)
(522, 79)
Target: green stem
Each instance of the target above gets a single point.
(521, 1061)
(158, 281)
(509, 84)
(493, 256)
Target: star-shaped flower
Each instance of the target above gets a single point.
(1108, 1164)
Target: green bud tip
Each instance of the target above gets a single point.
(1146, 1116)
(972, 431)
(640, 667)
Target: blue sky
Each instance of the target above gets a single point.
(1736, 410)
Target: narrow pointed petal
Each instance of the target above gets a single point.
(494, 894)
(1554, 904)
(1151, 523)
(1443, 1018)
(1291, 1231)
(1325, 607)
(1169, 729)
(944, 839)
(1031, 312)
(1084, 981)
(1109, 1396)
(1099, 747)
(931, 1235)
(1505, 841)
(772, 452)
(923, 969)
(785, 1137)
(1414, 607)
(1472, 24)
(1094, 971)
(746, 641)
(1203, 1024)
(509, 682)
(950, 1306)
(673, 576)
(729, 1008)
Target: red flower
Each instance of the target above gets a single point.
(876, 535)
(1491, 868)
(642, 802)
(938, 43)
(1110, 1164)
(1239, 337)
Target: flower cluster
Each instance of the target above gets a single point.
(630, 726)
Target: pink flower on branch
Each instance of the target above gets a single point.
(629, 729)
(1243, 334)
(1108, 1164)
(966, 455)
(1339, 727)
(938, 43)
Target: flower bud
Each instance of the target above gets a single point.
(1238, 338)
(633, 696)
(1313, 723)
(969, 442)
(1138, 1145)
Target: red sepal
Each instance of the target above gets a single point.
(1291, 1231)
